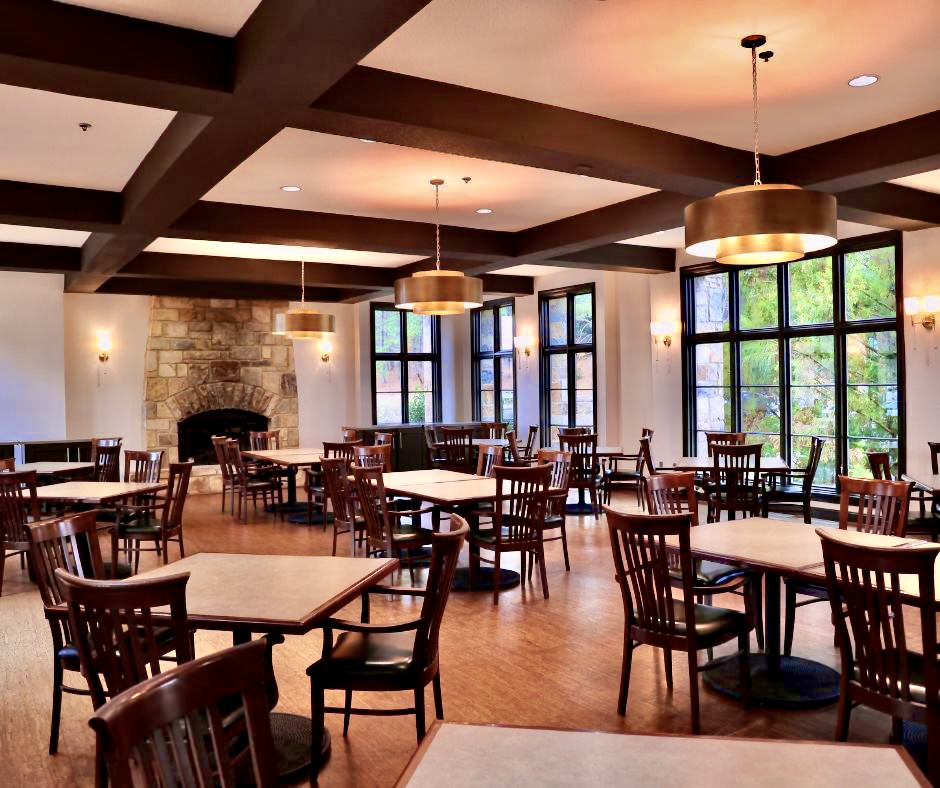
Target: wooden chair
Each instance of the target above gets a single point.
(556, 509)
(378, 456)
(339, 491)
(518, 517)
(929, 521)
(146, 734)
(385, 439)
(434, 447)
(245, 485)
(735, 483)
(385, 533)
(492, 430)
(7, 464)
(880, 464)
(458, 449)
(528, 453)
(389, 657)
(653, 616)
(564, 432)
(265, 440)
(487, 460)
(584, 467)
(218, 443)
(783, 496)
(881, 508)
(141, 467)
(313, 482)
(724, 439)
(18, 507)
(879, 669)
(97, 443)
(676, 493)
(625, 472)
(350, 435)
(168, 529)
(106, 459)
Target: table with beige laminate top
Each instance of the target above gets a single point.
(924, 477)
(279, 594)
(291, 459)
(702, 463)
(451, 755)
(96, 493)
(60, 469)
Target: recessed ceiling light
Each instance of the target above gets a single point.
(363, 139)
(484, 210)
(659, 232)
(863, 80)
(290, 188)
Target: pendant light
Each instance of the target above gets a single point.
(304, 323)
(765, 223)
(438, 292)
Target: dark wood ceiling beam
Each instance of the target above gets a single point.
(39, 258)
(59, 207)
(253, 291)
(46, 45)
(422, 113)
(627, 258)
(892, 206)
(285, 56)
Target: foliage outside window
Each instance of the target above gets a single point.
(790, 351)
(493, 362)
(566, 323)
(406, 366)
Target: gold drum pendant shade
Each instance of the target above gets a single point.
(760, 224)
(308, 324)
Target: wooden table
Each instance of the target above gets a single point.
(283, 594)
(95, 493)
(61, 469)
(433, 476)
(291, 459)
(602, 451)
(467, 756)
(500, 442)
(702, 463)
(778, 548)
(926, 478)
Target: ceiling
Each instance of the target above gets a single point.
(678, 66)
(346, 175)
(531, 270)
(21, 234)
(222, 17)
(926, 181)
(675, 238)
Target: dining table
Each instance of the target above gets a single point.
(273, 594)
(292, 460)
(703, 463)
(778, 549)
(95, 493)
(467, 756)
(60, 470)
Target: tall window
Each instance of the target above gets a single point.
(494, 363)
(566, 323)
(787, 352)
(406, 366)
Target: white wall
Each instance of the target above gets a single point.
(32, 354)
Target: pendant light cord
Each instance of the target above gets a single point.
(437, 226)
(303, 280)
(757, 180)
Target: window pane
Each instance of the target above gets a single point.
(558, 321)
(711, 303)
(420, 408)
(487, 336)
(858, 458)
(812, 361)
(505, 328)
(558, 371)
(713, 364)
(810, 291)
(583, 319)
(387, 331)
(872, 397)
(872, 358)
(584, 370)
(420, 376)
(388, 408)
(505, 374)
(506, 391)
(712, 413)
(758, 288)
(388, 376)
(420, 333)
(869, 284)
(760, 394)
(420, 388)
(800, 446)
(584, 408)
(486, 375)
(760, 364)
(813, 403)
(558, 406)
(507, 413)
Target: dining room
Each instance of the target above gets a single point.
(389, 384)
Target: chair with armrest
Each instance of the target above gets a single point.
(492, 430)
(339, 493)
(585, 470)
(735, 483)
(626, 471)
(556, 503)
(18, 507)
(105, 458)
(784, 492)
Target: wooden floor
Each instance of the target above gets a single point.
(528, 662)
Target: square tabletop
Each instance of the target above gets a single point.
(705, 463)
(602, 451)
(925, 477)
(289, 594)
(287, 457)
(451, 755)
(433, 476)
(470, 489)
(55, 468)
(498, 442)
(96, 492)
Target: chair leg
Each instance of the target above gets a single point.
(438, 696)
(419, 714)
(744, 667)
(667, 664)
(564, 544)
(844, 714)
(789, 620)
(496, 573)
(3, 564)
(316, 740)
(544, 574)
(758, 592)
(807, 515)
(182, 550)
(693, 691)
(625, 673)
(594, 507)
(56, 704)
(897, 730)
(346, 712)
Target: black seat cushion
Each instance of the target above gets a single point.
(710, 621)
(411, 533)
(710, 573)
(372, 655)
(140, 529)
(807, 588)
(915, 666)
(71, 659)
(124, 571)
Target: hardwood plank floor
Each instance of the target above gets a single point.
(528, 661)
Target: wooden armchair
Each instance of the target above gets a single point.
(585, 470)
(556, 503)
(735, 483)
(339, 493)
(245, 485)
(18, 507)
(458, 449)
(785, 494)
(106, 459)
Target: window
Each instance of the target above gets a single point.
(566, 323)
(406, 366)
(494, 363)
(786, 352)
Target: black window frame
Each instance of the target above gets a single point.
(477, 355)
(570, 349)
(839, 329)
(404, 357)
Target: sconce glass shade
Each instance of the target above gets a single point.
(326, 346)
(662, 328)
(438, 293)
(280, 327)
(931, 304)
(308, 324)
(104, 342)
(761, 224)
(524, 342)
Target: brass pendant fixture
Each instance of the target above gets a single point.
(438, 292)
(304, 323)
(761, 224)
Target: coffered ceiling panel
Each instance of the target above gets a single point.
(349, 176)
(41, 142)
(675, 238)
(925, 181)
(222, 17)
(677, 65)
(14, 233)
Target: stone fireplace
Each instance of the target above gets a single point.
(216, 357)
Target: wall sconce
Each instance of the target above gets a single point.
(280, 324)
(326, 347)
(927, 307)
(662, 330)
(524, 344)
(104, 346)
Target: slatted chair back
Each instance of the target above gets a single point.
(642, 564)
(492, 430)
(646, 453)
(264, 440)
(458, 449)
(515, 456)
(70, 544)
(934, 457)
(115, 632)
(177, 488)
(238, 471)
(724, 439)
(7, 464)
(385, 439)
(143, 466)
(560, 463)
(350, 435)
(370, 489)
(18, 506)
(672, 493)
(336, 484)
(564, 432)
(445, 552)
(487, 460)
(521, 498)
(880, 464)
(106, 462)
(346, 450)
(812, 463)
(865, 592)
(583, 448)
(881, 505)
(97, 443)
(736, 472)
(204, 722)
(218, 443)
(530, 442)
(379, 456)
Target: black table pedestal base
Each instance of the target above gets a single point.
(292, 735)
(797, 682)
(483, 580)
